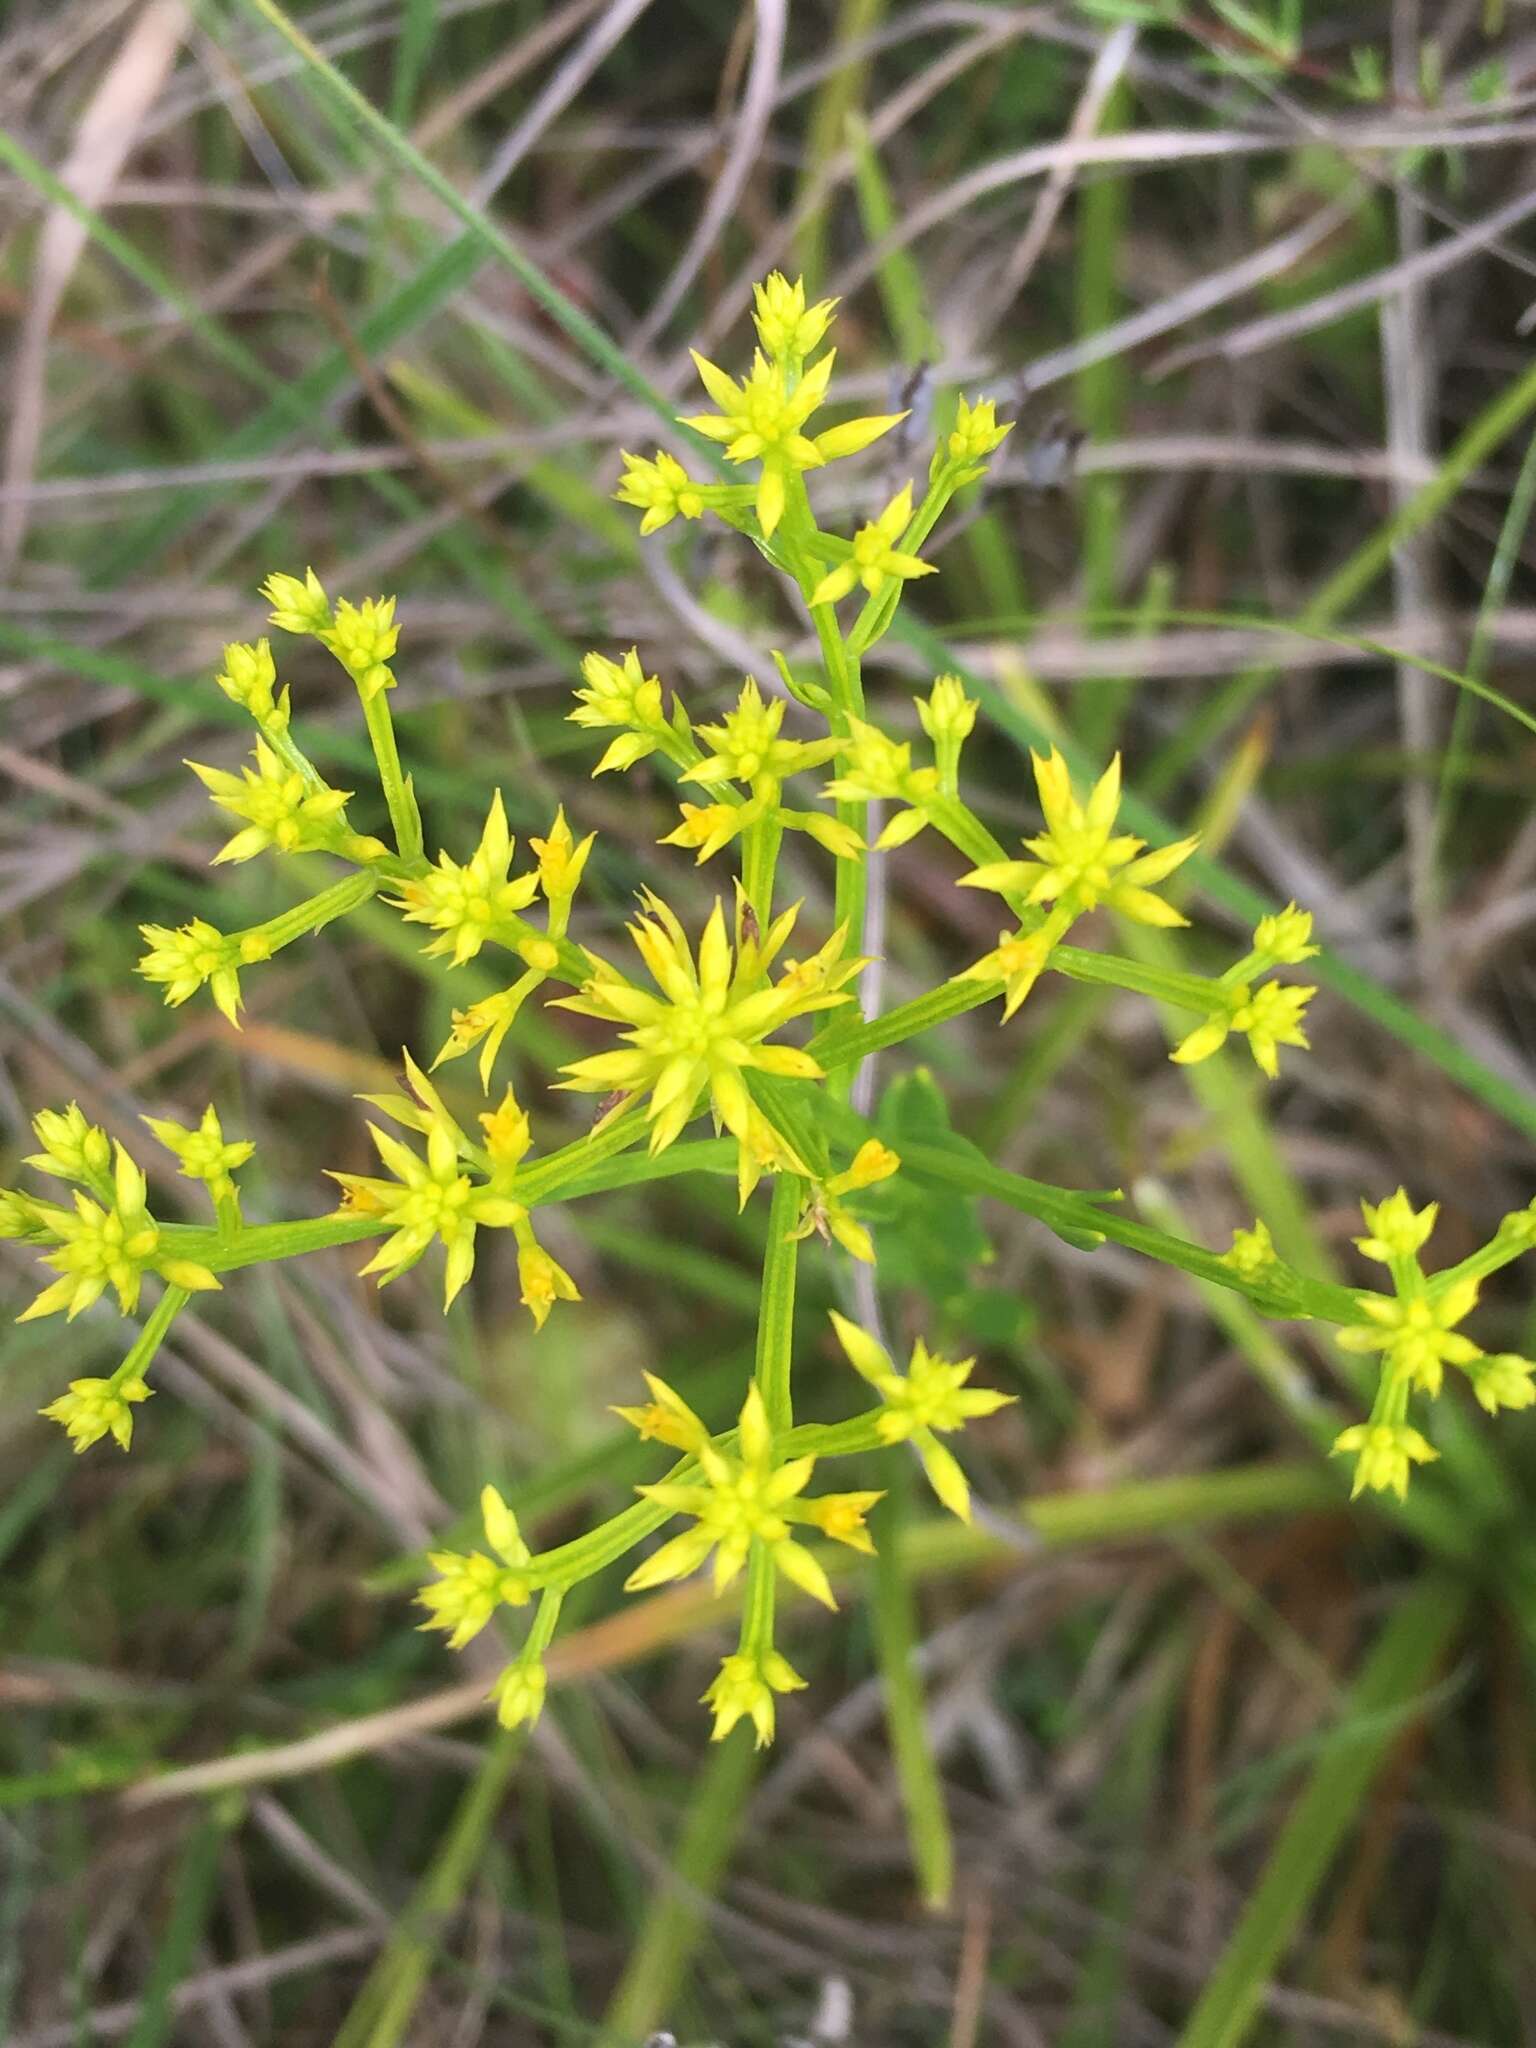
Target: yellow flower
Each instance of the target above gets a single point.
(520, 1691)
(1268, 1016)
(824, 1211)
(543, 1281)
(746, 746)
(93, 1409)
(204, 1154)
(298, 607)
(363, 639)
(1502, 1380)
(661, 488)
(73, 1147)
(931, 1395)
(623, 695)
(183, 958)
(1080, 861)
(946, 713)
(874, 765)
(975, 436)
(1417, 1332)
(112, 1246)
(1383, 1454)
(706, 1026)
(1017, 961)
(743, 1689)
(1252, 1252)
(427, 1199)
(787, 327)
(743, 1498)
(708, 827)
(762, 419)
(560, 859)
(472, 1586)
(875, 555)
(281, 810)
(1284, 938)
(507, 1135)
(1396, 1229)
(248, 679)
(466, 904)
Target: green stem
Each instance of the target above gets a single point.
(404, 816)
(314, 912)
(776, 1314)
(152, 1336)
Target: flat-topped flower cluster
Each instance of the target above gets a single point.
(724, 1025)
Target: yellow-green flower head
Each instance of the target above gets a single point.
(1080, 860)
(363, 639)
(1268, 1016)
(706, 828)
(1016, 962)
(1417, 1332)
(621, 694)
(746, 747)
(472, 1585)
(203, 1154)
(298, 607)
(975, 436)
(281, 810)
(93, 1409)
(660, 488)
(874, 765)
(1503, 1380)
(466, 904)
(73, 1147)
(427, 1199)
(931, 1395)
(744, 1687)
(787, 327)
(1252, 1253)
(707, 1024)
(745, 1497)
(875, 557)
(1285, 938)
(27, 1220)
(543, 1282)
(111, 1246)
(182, 958)
(560, 859)
(824, 1210)
(1396, 1230)
(762, 419)
(249, 677)
(1383, 1452)
(946, 713)
(507, 1135)
(520, 1691)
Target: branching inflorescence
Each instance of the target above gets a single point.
(711, 1026)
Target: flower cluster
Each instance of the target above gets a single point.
(720, 1024)
(107, 1238)
(748, 1496)
(458, 1188)
(703, 1030)
(930, 1398)
(1417, 1332)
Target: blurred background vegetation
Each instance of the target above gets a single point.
(1223, 1758)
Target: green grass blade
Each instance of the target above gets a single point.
(674, 1922)
(382, 2013)
(894, 1616)
(1380, 1702)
